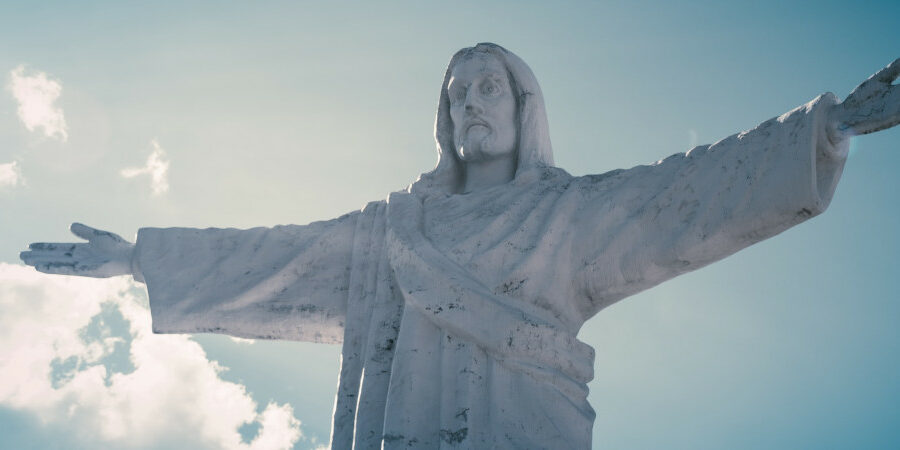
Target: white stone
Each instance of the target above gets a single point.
(458, 299)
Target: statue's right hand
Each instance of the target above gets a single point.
(104, 255)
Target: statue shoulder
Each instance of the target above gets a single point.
(543, 175)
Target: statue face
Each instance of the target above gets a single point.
(483, 109)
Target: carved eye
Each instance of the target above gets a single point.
(490, 89)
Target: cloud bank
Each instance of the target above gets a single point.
(157, 167)
(67, 362)
(36, 95)
(10, 175)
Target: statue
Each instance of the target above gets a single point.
(458, 300)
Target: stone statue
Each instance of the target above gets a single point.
(457, 301)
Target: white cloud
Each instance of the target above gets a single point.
(36, 95)
(157, 167)
(10, 175)
(172, 396)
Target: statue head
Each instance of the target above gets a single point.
(482, 108)
(487, 121)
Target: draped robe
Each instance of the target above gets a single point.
(458, 313)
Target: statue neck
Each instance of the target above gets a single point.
(484, 174)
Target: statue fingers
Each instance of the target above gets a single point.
(92, 234)
(46, 252)
(56, 264)
(890, 73)
(883, 113)
(48, 261)
(60, 247)
(70, 268)
(874, 86)
(28, 258)
(83, 231)
(55, 267)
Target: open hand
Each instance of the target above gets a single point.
(874, 105)
(104, 255)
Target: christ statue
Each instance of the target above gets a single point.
(457, 300)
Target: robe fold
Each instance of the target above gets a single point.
(458, 314)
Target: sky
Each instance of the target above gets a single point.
(249, 114)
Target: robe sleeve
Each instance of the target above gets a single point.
(285, 282)
(642, 226)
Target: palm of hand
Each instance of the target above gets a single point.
(104, 255)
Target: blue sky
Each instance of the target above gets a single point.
(284, 112)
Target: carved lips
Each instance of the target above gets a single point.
(476, 128)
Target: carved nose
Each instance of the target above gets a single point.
(473, 106)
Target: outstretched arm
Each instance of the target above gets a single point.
(651, 223)
(283, 282)
(104, 254)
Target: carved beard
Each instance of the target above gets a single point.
(475, 139)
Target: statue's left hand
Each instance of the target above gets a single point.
(874, 105)
(104, 254)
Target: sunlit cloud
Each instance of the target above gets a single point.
(36, 95)
(10, 175)
(157, 167)
(60, 338)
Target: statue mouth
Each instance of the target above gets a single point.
(477, 128)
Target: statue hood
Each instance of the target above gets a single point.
(533, 148)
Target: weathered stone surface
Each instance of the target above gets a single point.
(458, 300)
